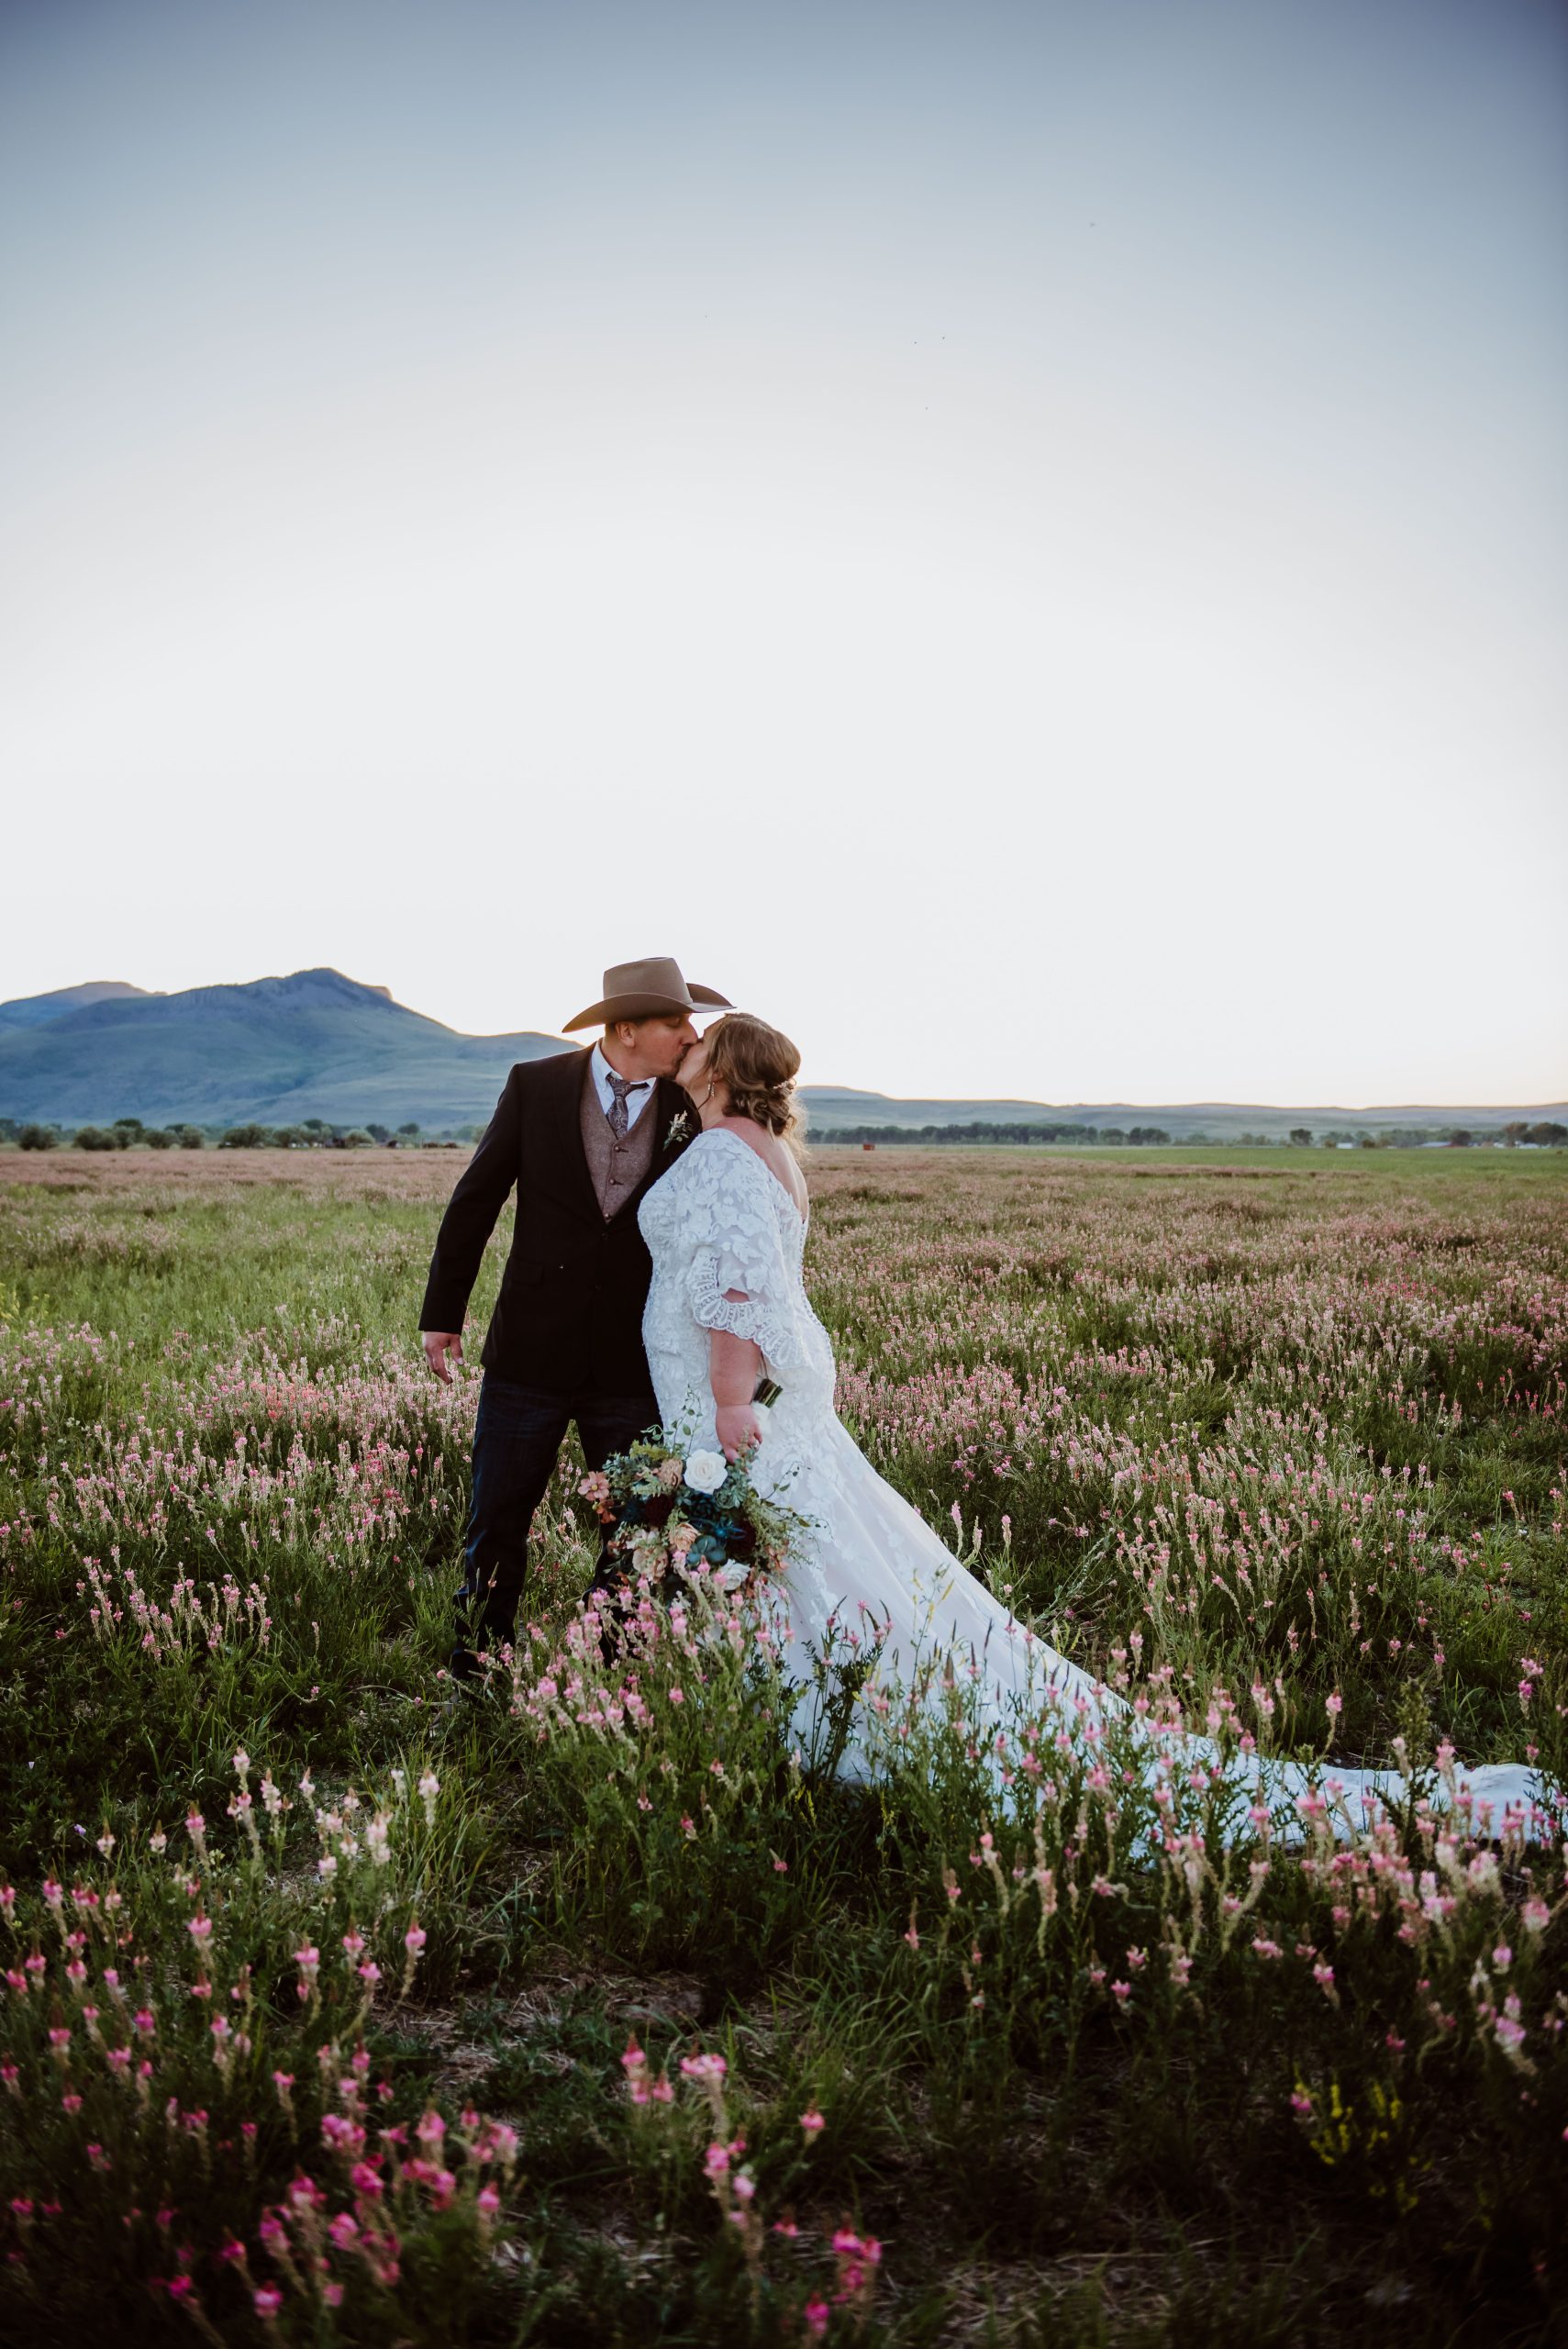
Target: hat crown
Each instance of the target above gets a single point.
(645, 989)
(656, 975)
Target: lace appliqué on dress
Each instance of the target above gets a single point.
(718, 1221)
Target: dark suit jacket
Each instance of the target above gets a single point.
(568, 1318)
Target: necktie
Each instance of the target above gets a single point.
(620, 1086)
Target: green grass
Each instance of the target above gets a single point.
(1290, 1423)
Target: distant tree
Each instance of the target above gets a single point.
(130, 1126)
(1302, 1137)
(1148, 1136)
(37, 1138)
(379, 1133)
(189, 1136)
(157, 1138)
(411, 1128)
(1548, 1134)
(96, 1137)
(1516, 1132)
(315, 1125)
(1459, 1138)
(1112, 1134)
(245, 1137)
(358, 1140)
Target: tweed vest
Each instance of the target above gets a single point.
(617, 1167)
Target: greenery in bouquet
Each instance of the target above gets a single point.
(676, 1508)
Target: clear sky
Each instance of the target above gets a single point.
(1028, 543)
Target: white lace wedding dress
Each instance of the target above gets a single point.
(870, 1575)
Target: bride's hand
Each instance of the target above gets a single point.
(738, 1428)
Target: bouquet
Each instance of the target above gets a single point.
(675, 1508)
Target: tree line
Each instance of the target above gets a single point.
(1544, 1134)
(979, 1130)
(311, 1134)
(319, 1133)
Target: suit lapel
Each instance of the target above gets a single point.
(668, 1104)
(574, 1159)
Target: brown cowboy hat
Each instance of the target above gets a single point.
(642, 990)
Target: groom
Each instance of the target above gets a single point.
(583, 1135)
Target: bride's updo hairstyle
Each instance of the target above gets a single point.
(757, 1068)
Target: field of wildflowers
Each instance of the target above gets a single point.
(588, 2013)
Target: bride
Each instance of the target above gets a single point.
(726, 1228)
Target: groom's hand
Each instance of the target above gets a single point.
(438, 1344)
(738, 1430)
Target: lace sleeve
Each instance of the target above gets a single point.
(730, 1235)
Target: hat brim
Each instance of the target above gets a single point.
(647, 1006)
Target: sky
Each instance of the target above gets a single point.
(1023, 540)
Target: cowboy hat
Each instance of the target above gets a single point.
(642, 990)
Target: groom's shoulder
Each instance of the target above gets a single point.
(543, 1075)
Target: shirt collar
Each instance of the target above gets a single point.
(603, 1073)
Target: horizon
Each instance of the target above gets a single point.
(918, 1096)
(1041, 532)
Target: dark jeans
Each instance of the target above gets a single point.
(517, 1439)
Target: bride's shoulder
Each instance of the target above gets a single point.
(727, 1148)
(699, 1160)
(763, 1164)
(720, 1160)
(714, 1152)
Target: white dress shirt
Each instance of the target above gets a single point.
(636, 1100)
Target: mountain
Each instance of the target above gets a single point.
(315, 1044)
(35, 1010)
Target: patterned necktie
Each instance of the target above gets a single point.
(620, 1086)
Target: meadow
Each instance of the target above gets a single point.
(588, 2013)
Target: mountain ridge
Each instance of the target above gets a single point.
(862, 1107)
(311, 1044)
(318, 1043)
(40, 1010)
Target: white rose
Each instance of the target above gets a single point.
(706, 1471)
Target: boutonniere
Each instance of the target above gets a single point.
(677, 1129)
